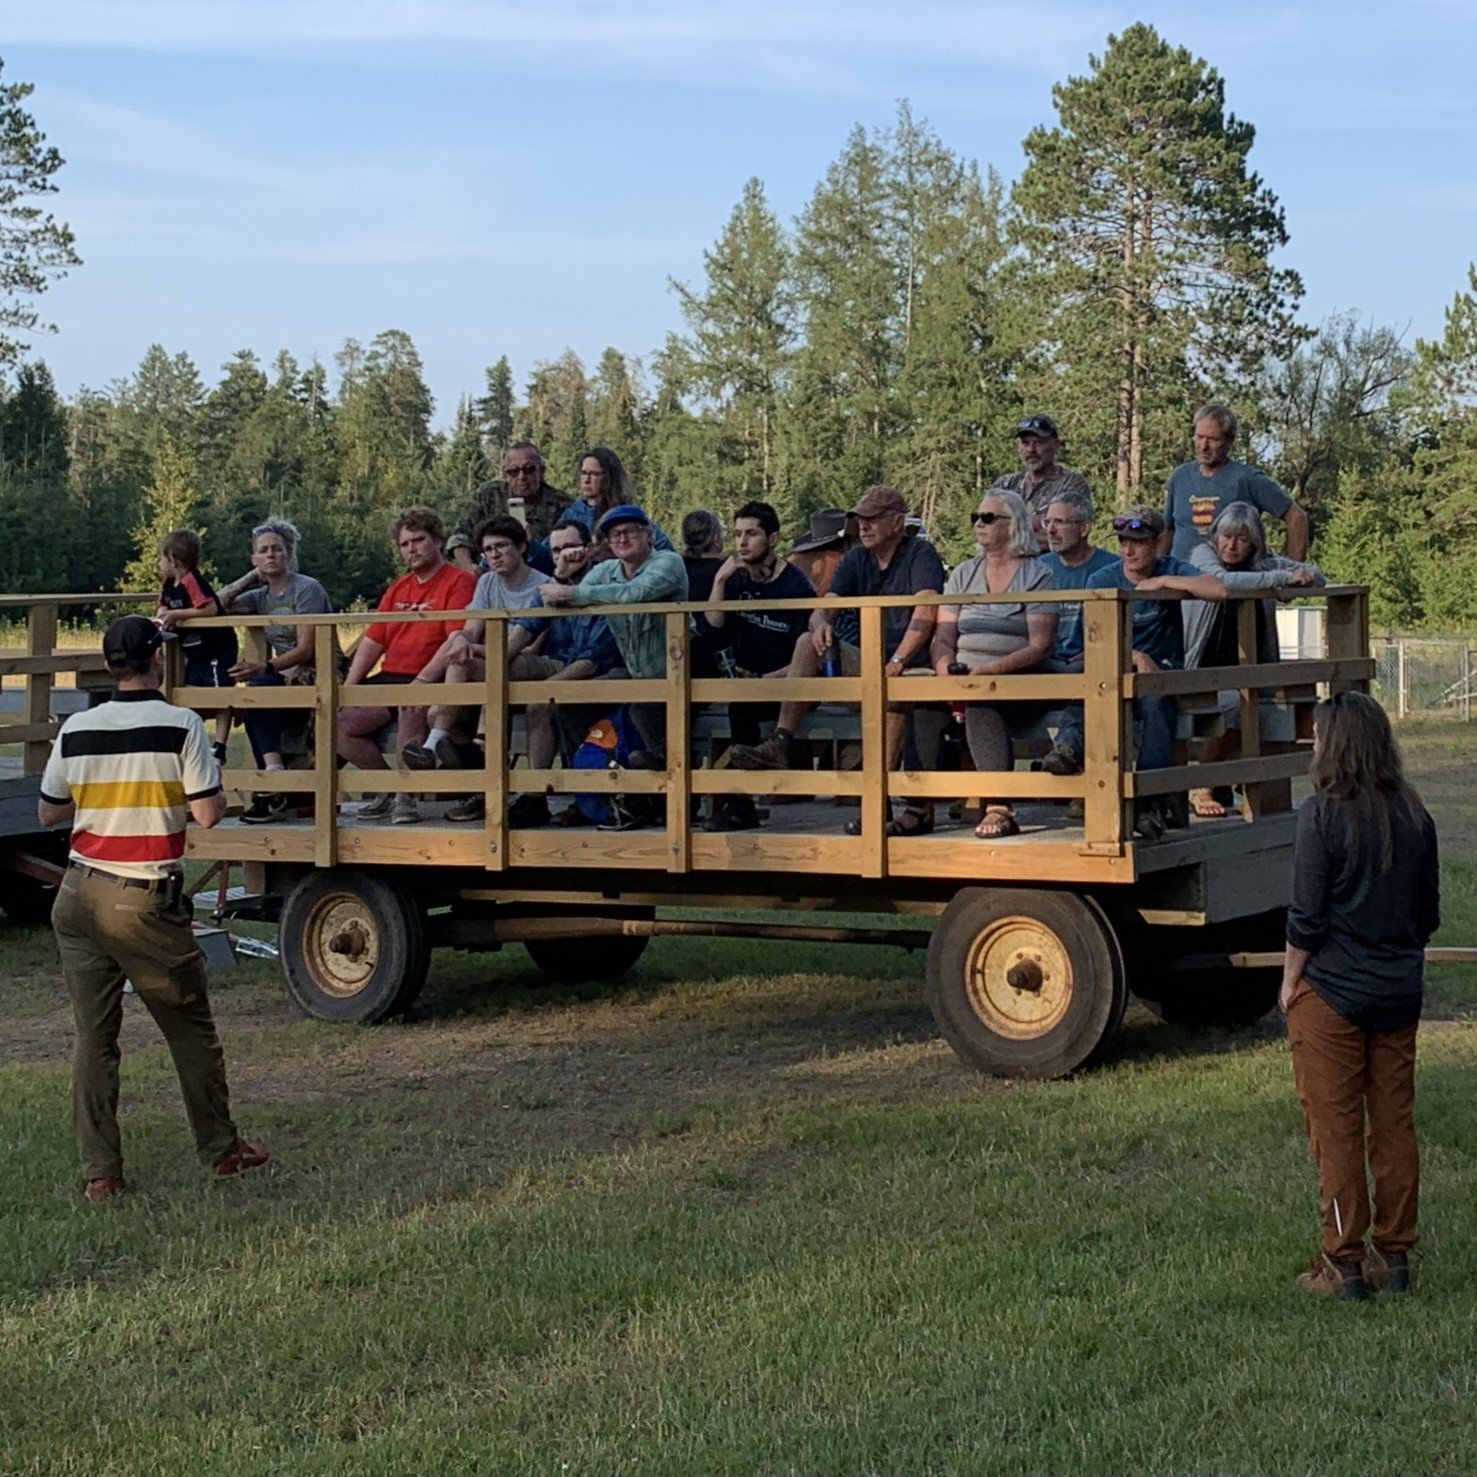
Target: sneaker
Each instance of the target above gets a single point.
(1063, 761)
(1386, 1271)
(374, 810)
(105, 1187)
(406, 811)
(1328, 1278)
(418, 756)
(734, 813)
(454, 754)
(264, 809)
(473, 808)
(773, 753)
(241, 1156)
(620, 816)
(528, 811)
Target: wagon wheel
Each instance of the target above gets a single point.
(1025, 982)
(352, 946)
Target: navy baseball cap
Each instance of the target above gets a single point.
(1036, 425)
(130, 639)
(623, 513)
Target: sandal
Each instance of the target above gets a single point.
(853, 827)
(1206, 806)
(912, 822)
(996, 824)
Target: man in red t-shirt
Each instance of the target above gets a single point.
(402, 648)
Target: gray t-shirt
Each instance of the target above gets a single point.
(493, 592)
(303, 596)
(990, 631)
(1193, 500)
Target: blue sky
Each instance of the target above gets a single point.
(518, 178)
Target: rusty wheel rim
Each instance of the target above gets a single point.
(342, 945)
(1018, 978)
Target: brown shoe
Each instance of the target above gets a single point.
(241, 1156)
(1328, 1278)
(104, 1188)
(1386, 1271)
(773, 753)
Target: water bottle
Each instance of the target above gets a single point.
(958, 669)
(727, 662)
(831, 662)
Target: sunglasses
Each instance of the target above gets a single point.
(1132, 525)
(521, 472)
(988, 518)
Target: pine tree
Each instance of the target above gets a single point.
(35, 247)
(462, 464)
(495, 411)
(170, 502)
(614, 410)
(1148, 278)
(33, 487)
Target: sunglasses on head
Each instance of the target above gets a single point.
(1131, 525)
(988, 518)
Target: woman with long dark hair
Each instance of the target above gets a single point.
(1365, 903)
(603, 483)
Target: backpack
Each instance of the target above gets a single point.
(607, 745)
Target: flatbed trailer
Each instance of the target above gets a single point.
(1034, 941)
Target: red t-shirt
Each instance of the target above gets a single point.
(409, 645)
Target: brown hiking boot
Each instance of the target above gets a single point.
(1386, 1271)
(105, 1187)
(773, 753)
(241, 1156)
(1332, 1279)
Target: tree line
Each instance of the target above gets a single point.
(895, 330)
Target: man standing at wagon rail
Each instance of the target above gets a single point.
(127, 774)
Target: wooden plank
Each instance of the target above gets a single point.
(495, 773)
(26, 602)
(1250, 704)
(777, 782)
(1229, 772)
(238, 843)
(777, 690)
(31, 734)
(412, 695)
(679, 746)
(874, 808)
(612, 690)
(1014, 859)
(1007, 785)
(325, 746)
(1278, 675)
(271, 781)
(649, 894)
(1346, 628)
(62, 661)
(1106, 648)
(40, 642)
(602, 850)
(584, 781)
(1015, 687)
(410, 781)
(246, 697)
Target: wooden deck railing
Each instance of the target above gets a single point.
(1105, 687)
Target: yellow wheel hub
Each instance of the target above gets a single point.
(343, 945)
(1018, 978)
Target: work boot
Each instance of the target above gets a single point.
(527, 811)
(734, 813)
(1062, 760)
(773, 753)
(1331, 1279)
(1147, 823)
(1386, 1271)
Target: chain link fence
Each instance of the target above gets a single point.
(1425, 676)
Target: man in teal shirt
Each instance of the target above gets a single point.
(637, 575)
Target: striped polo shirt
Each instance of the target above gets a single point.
(131, 766)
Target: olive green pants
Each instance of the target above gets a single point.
(106, 932)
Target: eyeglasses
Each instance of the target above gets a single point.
(988, 518)
(591, 476)
(623, 530)
(1061, 522)
(529, 471)
(1133, 525)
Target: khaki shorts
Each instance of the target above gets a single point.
(530, 667)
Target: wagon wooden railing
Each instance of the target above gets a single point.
(1105, 687)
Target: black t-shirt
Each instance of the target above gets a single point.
(1365, 929)
(700, 571)
(915, 566)
(194, 592)
(764, 640)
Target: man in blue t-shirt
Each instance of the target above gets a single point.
(754, 643)
(1073, 560)
(1158, 642)
(1198, 490)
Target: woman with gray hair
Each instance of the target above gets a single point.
(988, 640)
(1235, 552)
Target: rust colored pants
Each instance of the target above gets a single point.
(1345, 1075)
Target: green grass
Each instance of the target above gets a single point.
(742, 1212)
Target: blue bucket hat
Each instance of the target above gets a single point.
(623, 513)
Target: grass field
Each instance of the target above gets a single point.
(741, 1213)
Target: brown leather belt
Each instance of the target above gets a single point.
(152, 884)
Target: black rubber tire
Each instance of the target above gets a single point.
(570, 960)
(328, 904)
(1091, 992)
(1163, 974)
(24, 900)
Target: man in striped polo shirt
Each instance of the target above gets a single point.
(127, 774)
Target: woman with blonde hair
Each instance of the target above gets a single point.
(1365, 902)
